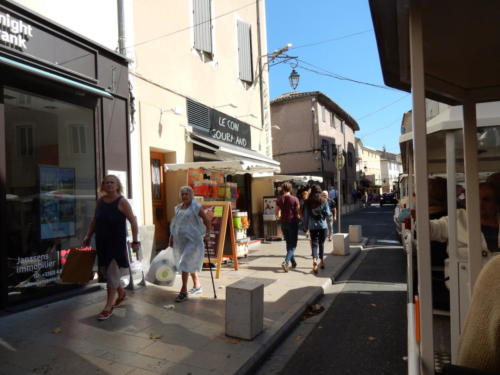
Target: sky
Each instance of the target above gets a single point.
(348, 49)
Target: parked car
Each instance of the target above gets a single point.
(388, 198)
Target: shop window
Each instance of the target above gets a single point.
(50, 196)
(202, 27)
(24, 138)
(245, 51)
(78, 139)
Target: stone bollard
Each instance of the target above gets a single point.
(244, 309)
(355, 233)
(341, 244)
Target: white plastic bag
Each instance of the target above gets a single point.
(163, 268)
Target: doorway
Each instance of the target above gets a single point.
(159, 200)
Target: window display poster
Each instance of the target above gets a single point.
(269, 207)
(57, 202)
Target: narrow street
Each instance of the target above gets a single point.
(363, 330)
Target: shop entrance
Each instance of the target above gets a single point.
(158, 198)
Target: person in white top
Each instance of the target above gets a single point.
(490, 224)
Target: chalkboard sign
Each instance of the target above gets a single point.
(221, 243)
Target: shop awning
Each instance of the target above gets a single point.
(53, 77)
(226, 167)
(225, 151)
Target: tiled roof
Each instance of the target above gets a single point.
(323, 99)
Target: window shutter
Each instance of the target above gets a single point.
(202, 25)
(245, 51)
(198, 115)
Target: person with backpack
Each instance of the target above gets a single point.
(288, 210)
(316, 213)
(333, 210)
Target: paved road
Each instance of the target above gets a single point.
(364, 329)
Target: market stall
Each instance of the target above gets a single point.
(223, 187)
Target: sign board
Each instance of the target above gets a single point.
(229, 129)
(221, 243)
(269, 208)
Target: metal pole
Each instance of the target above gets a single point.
(451, 180)
(421, 187)
(474, 239)
(339, 195)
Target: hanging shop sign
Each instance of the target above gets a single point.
(14, 32)
(228, 129)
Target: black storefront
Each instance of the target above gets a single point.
(63, 125)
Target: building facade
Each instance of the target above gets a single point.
(201, 95)
(63, 125)
(309, 130)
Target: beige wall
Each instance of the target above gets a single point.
(168, 70)
(295, 138)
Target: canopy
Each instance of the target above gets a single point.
(226, 167)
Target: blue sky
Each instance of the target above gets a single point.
(302, 22)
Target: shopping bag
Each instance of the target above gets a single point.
(163, 268)
(79, 266)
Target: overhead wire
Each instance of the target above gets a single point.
(382, 108)
(330, 40)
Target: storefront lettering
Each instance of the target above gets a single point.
(14, 32)
(34, 263)
(233, 125)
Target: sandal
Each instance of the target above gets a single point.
(119, 300)
(315, 266)
(105, 314)
(322, 264)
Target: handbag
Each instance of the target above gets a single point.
(78, 268)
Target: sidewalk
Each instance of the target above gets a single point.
(145, 337)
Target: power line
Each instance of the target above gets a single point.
(382, 108)
(327, 73)
(381, 128)
(331, 40)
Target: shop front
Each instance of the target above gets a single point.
(63, 126)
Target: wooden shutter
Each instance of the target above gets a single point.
(245, 51)
(202, 25)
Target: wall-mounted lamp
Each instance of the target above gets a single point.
(227, 105)
(177, 110)
(249, 115)
(276, 127)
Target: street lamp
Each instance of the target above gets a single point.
(294, 78)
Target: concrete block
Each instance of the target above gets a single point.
(244, 309)
(341, 244)
(355, 233)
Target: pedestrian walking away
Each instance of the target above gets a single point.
(333, 210)
(109, 225)
(316, 213)
(288, 211)
(188, 230)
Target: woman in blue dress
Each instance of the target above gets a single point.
(109, 225)
(188, 229)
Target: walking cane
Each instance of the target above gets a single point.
(210, 266)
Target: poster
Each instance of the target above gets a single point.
(221, 243)
(57, 202)
(269, 207)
